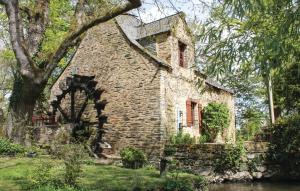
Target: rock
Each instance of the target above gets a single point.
(261, 168)
(257, 175)
(243, 176)
(251, 156)
(206, 171)
(268, 174)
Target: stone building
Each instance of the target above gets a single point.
(150, 80)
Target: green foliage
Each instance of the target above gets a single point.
(215, 119)
(245, 41)
(200, 183)
(169, 150)
(203, 138)
(41, 175)
(182, 139)
(256, 162)
(54, 188)
(177, 183)
(285, 144)
(14, 173)
(133, 158)
(287, 89)
(73, 156)
(230, 158)
(252, 123)
(8, 148)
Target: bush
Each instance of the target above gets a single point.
(133, 158)
(8, 148)
(215, 119)
(176, 183)
(182, 139)
(285, 143)
(203, 139)
(230, 158)
(41, 175)
(73, 156)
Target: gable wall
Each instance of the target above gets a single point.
(181, 85)
(132, 87)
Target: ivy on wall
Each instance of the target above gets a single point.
(215, 120)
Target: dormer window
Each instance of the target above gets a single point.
(182, 48)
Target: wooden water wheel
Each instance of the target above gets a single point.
(79, 96)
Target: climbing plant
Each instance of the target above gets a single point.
(215, 120)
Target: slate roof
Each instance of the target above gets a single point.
(217, 85)
(130, 27)
(134, 29)
(158, 26)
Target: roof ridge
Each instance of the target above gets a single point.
(178, 13)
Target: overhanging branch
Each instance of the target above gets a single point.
(3, 2)
(67, 43)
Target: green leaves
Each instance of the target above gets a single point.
(133, 158)
(8, 148)
(215, 119)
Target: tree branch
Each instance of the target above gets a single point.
(17, 38)
(3, 2)
(38, 20)
(67, 43)
(79, 12)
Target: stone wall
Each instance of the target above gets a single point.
(143, 98)
(132, 87)
(184, 84)
(201, 159)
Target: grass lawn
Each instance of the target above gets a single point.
(15, 173)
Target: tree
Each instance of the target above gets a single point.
(252, 123)
(287, 90)
(255, 37)
(29, 25)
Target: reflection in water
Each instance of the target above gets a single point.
(256, 187)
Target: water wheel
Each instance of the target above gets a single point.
(78, 99)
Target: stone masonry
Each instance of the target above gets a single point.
(145, 91)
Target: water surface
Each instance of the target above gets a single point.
(256, 187)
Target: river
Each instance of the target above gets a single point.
(256, 187)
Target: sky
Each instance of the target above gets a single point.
(195, 10)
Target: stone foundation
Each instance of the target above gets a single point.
(201, 159)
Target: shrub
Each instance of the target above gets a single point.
(41, 175)
(73, 156)
(176, 183)
(169, 150)
(182, 139)
(230, 158)
(203, 139)
(215, 119)
(133, 158)
(8, 148)
(285, 143)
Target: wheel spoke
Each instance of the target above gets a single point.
(73, 106)
(82, 108)
(63, 113)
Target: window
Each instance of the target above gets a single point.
(181, 47)
(194, 113)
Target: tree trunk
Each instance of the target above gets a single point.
(23, 99)
(270, 97)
